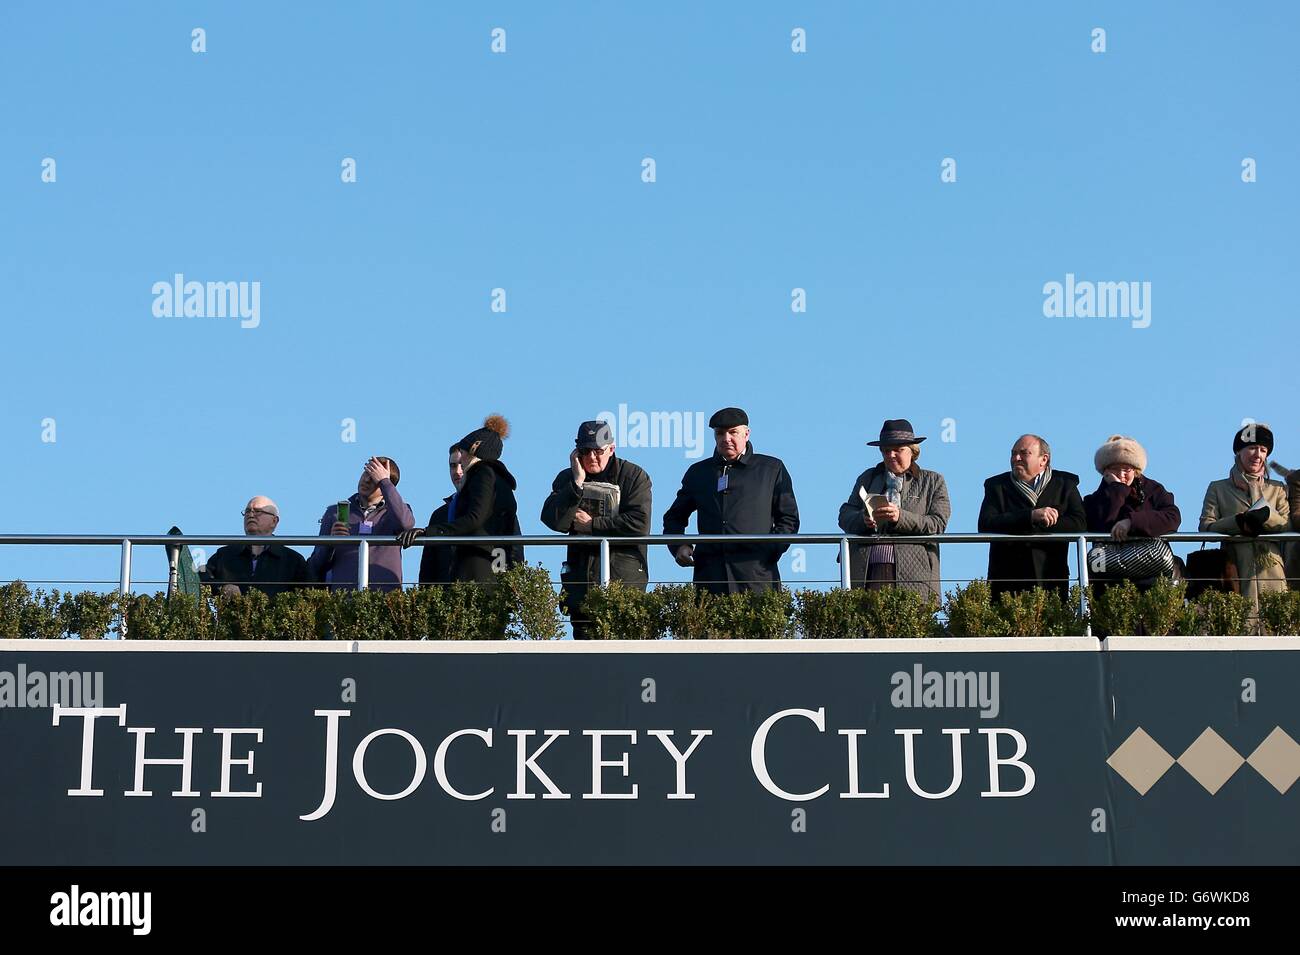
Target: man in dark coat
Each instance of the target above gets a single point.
(734, 492)
(1031, 499)
(603, 495)
(270, 568)
(483, 507)
(438, 561)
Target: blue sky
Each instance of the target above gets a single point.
(522, 171)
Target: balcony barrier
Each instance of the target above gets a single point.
(127, 544)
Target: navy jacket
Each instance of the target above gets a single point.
(759, 499)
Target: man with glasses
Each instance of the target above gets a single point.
(602, 495)
(270, 568)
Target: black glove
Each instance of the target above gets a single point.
(1252, 522)
(407, 538)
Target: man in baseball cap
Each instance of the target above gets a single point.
(601, 495)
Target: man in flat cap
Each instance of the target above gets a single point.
(734, 492)
(600, 494)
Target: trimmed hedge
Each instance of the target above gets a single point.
(524, 605)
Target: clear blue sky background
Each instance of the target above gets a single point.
(523, 171)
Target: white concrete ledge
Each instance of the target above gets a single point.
(854, 645)
(857, 645)
(1203, 643)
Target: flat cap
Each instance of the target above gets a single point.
(729, 418)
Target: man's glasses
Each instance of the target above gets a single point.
(591, 452)
(246, 512)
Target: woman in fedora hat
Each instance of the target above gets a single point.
(896, 497)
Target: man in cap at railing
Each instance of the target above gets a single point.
(271, 568)
(734, 492)
(376, 509)
(1031, 498)
(600, 494)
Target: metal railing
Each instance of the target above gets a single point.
(845, 541)
(127, 543)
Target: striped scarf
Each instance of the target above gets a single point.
(1034, 487)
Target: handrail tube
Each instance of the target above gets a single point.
(558, 540)
(365, 542)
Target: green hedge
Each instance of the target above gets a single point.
(523, 605)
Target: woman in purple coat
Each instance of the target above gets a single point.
(1130, 507)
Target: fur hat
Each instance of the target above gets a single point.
(485, 442)
(1120, 450)
(1257, 433)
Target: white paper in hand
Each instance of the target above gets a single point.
(871, 501)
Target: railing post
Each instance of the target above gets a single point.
(1083, 583)
(363, 565)
(846, 576)
(124, 583)
(604, 561)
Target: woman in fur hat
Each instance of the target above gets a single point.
(1127, 504)
(484, 506)
(1247, 503)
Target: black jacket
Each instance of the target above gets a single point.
(438, 562)
(628, 562)
(1016, 567)
(485, 506)
(759, 499)
(278, 569)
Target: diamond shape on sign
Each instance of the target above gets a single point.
(1210, 761)
(1140, 760)
(1277, 759)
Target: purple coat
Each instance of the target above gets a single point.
(1113, 502)
(337, 564)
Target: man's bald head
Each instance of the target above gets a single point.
(261, 516)
(1029, 456)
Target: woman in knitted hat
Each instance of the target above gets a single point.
(484, 506)
(1133, 509)
(1247, 503)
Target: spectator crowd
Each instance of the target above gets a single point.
(739, 491)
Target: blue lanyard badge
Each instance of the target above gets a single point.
(722, 481)
(366, 527)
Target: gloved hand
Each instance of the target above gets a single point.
(1252, 522)
(407, 538)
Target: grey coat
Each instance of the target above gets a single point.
(924, 509)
